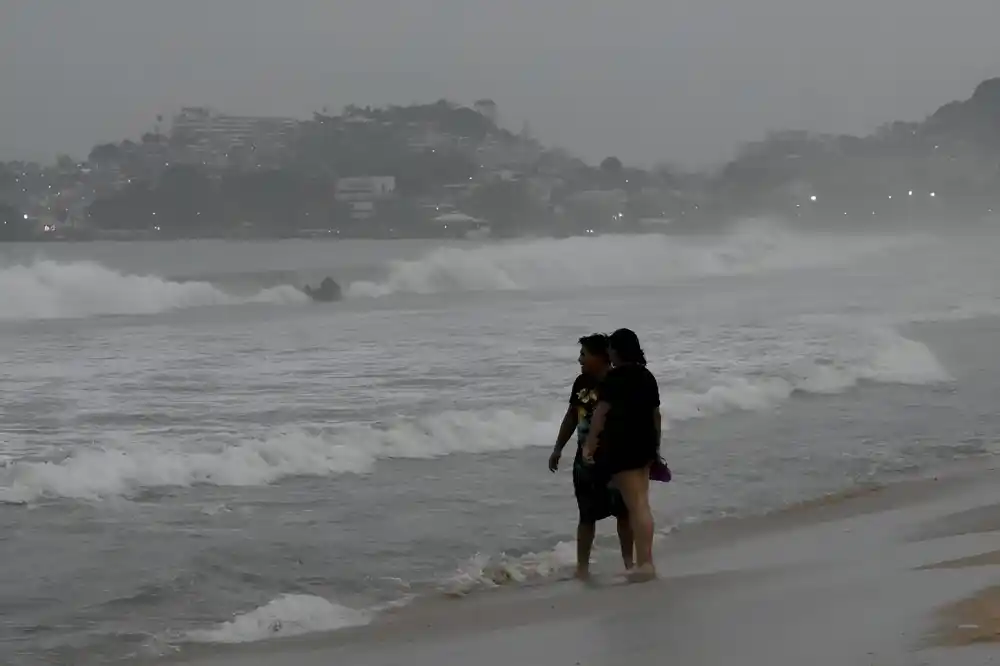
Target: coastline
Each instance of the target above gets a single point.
(895, 574)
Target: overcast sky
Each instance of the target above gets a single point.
(679, 81)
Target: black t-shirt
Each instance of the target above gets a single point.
(632, 394)
(584, 398)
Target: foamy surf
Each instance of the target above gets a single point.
(288, 615)
(127, 467)
(487, 572)
(755, 246)
(124, 468)
(49, 289)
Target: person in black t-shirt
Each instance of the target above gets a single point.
(594, 497)
(624, 439)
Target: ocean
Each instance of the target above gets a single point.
(191, 453)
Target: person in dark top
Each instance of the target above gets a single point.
(624, 439)
(595, 498)
(327, 292)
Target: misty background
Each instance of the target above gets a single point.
(793, 203)
(682, 82)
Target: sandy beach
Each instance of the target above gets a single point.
(900, 575)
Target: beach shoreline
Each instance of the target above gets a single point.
(889, 574)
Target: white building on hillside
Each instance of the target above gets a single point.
(363, 194)
(209, 133)
(365, 188)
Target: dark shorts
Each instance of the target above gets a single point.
(595, 498)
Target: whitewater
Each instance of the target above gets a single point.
(194, 453)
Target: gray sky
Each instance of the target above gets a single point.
(649, 80)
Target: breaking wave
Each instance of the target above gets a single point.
(621, 260)
(49, 289)
(126, 468)
(286, 616)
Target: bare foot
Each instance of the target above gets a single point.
(642, 574)
(582, 574)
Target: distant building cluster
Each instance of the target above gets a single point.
(201, 135)
(362, 193)
(216, 143)
(448, 168)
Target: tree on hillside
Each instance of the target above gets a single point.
(422, 173)
(13, 226)
(9, 214)
(105, 153)
(131, 208)
(611, 166)
(507, 205)
(186, 200)
(275, 199)
(8, 177)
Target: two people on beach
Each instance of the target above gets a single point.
(614, 410)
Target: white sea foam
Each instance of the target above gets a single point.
(484, 571)
(52, 290)
(626, 260)
(129, 466)
(288, 615)
(124, 468)
(890, 359)
(47, 289)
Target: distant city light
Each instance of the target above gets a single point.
(933, 194)
(812, 198)
(910, 193)
(26, 216)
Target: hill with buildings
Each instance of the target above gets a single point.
(947, 165)
(445, 169)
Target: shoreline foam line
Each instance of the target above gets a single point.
(855, 552)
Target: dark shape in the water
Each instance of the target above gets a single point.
(327, 292)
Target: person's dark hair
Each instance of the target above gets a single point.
(626, 344)
(596, 345)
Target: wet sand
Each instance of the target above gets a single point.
(904, 575)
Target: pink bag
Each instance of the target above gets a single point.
(659, 471)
